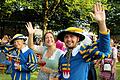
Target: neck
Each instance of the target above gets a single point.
(51, 48)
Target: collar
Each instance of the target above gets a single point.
(24, 49)
(75, 50)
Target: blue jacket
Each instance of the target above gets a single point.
(28, 62)
(79, 63)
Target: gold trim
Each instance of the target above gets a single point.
(65, 64)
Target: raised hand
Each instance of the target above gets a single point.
(99, 16)
(30, 28)
(99, 12)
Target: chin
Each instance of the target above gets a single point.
(49, 45)
(70, 47)
(17, 47)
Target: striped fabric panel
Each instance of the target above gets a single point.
(91, 52)
(20, 77)
(14, 77)
(32, 63)
(8, 48)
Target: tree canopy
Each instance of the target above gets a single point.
(60, 13)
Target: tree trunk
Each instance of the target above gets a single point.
(48, 12)
(45, 23)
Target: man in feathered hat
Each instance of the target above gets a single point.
(74, 64)
(24, 60)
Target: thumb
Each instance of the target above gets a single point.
(91, 14)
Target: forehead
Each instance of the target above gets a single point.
(70, 34)
(48, 34)
(19, 40)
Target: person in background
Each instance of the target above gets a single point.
(92, 75)
(5, 42)
(50, 54)
(60, 45)
(110, 72)
(24, 61)
(74, 64)
(114, 52)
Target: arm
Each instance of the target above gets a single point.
(104, 36)
(114, 64)
(30, 37)
(31, 31)
(101, 48)
(114, 52)
(31, 65)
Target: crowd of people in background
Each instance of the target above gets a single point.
(63, 57)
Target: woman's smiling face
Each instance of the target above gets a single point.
(49, 39)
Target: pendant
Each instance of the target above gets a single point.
(66, 74)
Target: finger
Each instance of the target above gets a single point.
(92, 14)
(94, 8)
(99, 6)
(30, 25)
(27, 23)
(102, 8)
(26, 26)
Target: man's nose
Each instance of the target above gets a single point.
(68, 38)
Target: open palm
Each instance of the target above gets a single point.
(99, 13)
(30, 28)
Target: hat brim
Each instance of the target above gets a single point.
(12, 41)
(62, 34)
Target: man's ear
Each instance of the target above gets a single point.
(78, 38)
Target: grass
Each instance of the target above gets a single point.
(118, 71)
(34, 75)
(8, 76)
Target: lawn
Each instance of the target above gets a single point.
(34, 75)
(8, 77)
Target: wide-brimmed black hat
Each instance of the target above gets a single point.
(71, 30)
(18, 36)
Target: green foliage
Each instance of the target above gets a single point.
(113, 17)
(10, 6)
(72, 13)
(67, 13)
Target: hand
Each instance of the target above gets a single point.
(99, 16)
(30, 28)
(17, 66)
(99, 13)
(42, 63)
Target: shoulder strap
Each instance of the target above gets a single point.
(44, 49)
